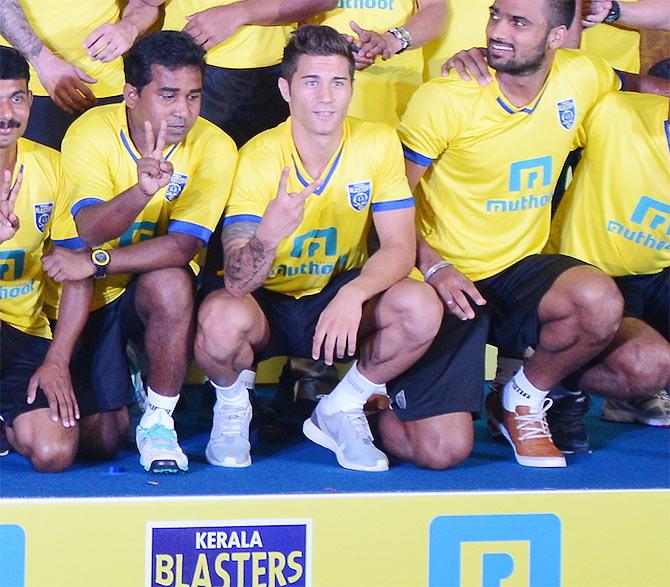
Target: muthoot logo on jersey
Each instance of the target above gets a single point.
(495, 550)
(651, 219)
(533, 178)
(229, 554)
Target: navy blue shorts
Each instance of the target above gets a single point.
(292, 320)
(48, 123)
(20, 356)
(647, 297)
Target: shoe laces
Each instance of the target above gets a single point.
(534, 425)
(160, 437)
(230, 420)
(359, 423)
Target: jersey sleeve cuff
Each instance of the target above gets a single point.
(83, 204)
(241, 218)
(415, 157)
(70, 243)
(393, 205)
(196, 230)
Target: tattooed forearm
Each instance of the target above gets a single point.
(246, 264)
(15, 28)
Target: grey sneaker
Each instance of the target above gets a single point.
(652, 411)
(348, 435)
(228, 444)
(157, 443)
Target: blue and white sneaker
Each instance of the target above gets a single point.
(157, 442)
(228, 444)
(348, 435)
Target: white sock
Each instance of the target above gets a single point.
(248, 378)
(156, 401)
(521, 392)
(351, 393)
(236, 393)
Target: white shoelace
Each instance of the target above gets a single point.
(229, 421)
(535, 425)
(359, 423)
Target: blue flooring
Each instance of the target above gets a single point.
(625, 456)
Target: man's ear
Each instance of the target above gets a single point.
(557, 37)
(130, 95)
(285, 89)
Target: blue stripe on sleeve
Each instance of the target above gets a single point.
(417, 158)
(622, 79)
(183, 227)
(393, 205)
(83, 204)
(70, 243)
(241, 218)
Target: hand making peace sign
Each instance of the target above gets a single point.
(9, 222)
(153, 170)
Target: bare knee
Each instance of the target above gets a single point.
(644, 367)
(599, 306)
(165, 294)
(442, 453)
(418, 311)
(48, 456)
(102, 434)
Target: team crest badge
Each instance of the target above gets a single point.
(175, 187)
(42, 215)
(359, 194)
(566, 113)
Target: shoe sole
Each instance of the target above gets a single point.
(538, 462)
(625, 417)
(311, 431)
(165, 466)
(228, 462)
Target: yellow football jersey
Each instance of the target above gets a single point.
(619, 47)
(42, 202)
(100, 161)
(63, 26)
(616, 213)
(366, 174)
(250, 46)
(381, 91)
(485, 199)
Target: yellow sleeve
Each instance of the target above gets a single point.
(391, 191)
(63, 228)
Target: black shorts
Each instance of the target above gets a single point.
(243, 102)
(20, 356)
(513, 297)
(449, 378)
(647, 297)
(48, 123)
(292, 320)
(99, 367)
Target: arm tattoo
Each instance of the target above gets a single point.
(15, 28)
(246, 266)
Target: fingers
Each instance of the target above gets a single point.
(358, 30)
(161, 140)
(317, 342)
(310, 189)
(470, 289)
(5, 186)
(149, 139)
(74, 96)
(283, 181)
(83, 76)
(32, 389)
(96, 42)
(16, 188)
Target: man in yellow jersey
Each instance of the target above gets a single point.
(72, 47)
(616, 216)
(244, 40)
(643, 14)
(297, 277)
(387, 35)
(151, 179)
(37, 403)
(486, 160)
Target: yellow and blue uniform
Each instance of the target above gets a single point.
(100, 161)
(42, 211)
(616, 212)
(365, 174)
(484, 202)
(381, 91)
(63, 26)
(248, 47)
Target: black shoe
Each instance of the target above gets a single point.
(566, 420)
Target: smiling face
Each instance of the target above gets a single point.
(173, 95)
(520, 36)
(319, 93)
(15, 101)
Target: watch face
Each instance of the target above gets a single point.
(101, 257)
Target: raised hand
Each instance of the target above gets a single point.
(451, 285)
(110, 41)
(469, 63)
(285, 212)
(213, 26)
(9, 222)
(153, 171)
(595, 11)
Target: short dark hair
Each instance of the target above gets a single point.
(171, 49)
(561, 12)
(315, 40)
(13, 65)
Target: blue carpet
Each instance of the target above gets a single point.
(624, 457)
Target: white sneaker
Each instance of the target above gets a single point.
(348, 435)
(157, 442)
(652, 411)
(228, 444)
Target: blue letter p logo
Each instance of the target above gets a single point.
(12, 555)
